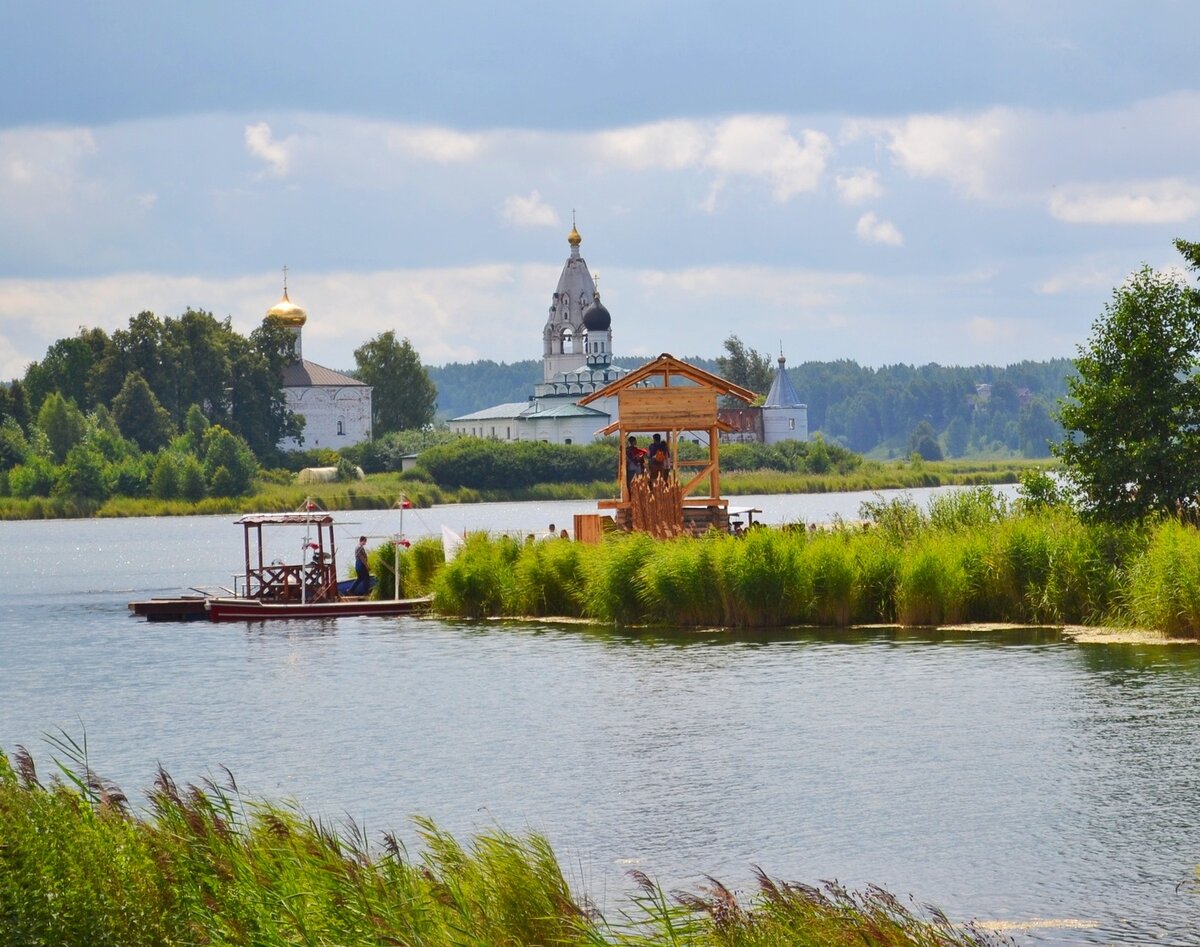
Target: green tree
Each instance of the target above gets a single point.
(139, 415)
(1132, 426)
(62, 423)
(191, 479)
(745, 367)
(83, 474)
(229, 464)
(924, 442)
(164, 481)
(403, 397)
(13, 446)
(958, 435)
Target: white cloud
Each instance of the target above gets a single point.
(277, 155)
(529, 211)
(757, 147)
(1084, 277)
(763, 146)
(873, 229)
(860, 185)
(40, 169)
(439, 145)
(966, 151)
(1154, 202)
(672, 146)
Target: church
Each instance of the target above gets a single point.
(576, 360)
(336, 408)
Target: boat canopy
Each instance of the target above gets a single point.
(318, 518)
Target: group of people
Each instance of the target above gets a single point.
(653, 460)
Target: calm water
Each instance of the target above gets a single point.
(1008, 776)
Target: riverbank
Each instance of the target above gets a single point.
(968, 559)
(208, 865)
(279, 492)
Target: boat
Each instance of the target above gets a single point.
(276, 589)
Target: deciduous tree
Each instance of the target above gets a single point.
(1132, 425)
(403, 397)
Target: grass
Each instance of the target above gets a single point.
(206, 865)
(379, 491)
(968, 558)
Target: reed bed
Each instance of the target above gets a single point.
(205, 865)
(970, 557)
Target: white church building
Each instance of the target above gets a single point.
(336, 408)
(576, 360)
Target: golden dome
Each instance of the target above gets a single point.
(573, 237)
(287, 313)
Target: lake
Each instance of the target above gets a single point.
(1010, 776)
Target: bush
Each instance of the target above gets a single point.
(34, 478)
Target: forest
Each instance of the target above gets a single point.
(890, 411)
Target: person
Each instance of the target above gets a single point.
(635, 460)
(658, 458)
(563, 534)
(362, 572)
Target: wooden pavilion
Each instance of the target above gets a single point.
(671, 397)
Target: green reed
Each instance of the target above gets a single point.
(206, 865)
(1163, 587)
(480, 580)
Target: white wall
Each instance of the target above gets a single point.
(323, 408)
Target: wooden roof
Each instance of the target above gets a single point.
(668, 365)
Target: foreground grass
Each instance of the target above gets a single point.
(969, 559)
(379, 491)
(206, 866)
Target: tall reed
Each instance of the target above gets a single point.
(548, 579)
(479, 581)
(206, 865)
(760, 579)
(1163, 589)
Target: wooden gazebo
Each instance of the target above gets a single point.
(670, 396)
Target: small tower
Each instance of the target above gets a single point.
(785, 418)
(562, 337)
(287, 313)
(597, 335)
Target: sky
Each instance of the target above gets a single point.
(953, 182)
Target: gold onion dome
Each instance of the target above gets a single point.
(573, 237)
(287, 313)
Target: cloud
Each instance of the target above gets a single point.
(671, 146)
(40, 169)
(859, 185)
(277, 155)
(755, 147)
(1084, 277)
(872, 229)
(764, 147)
(1155, 202)
(966, 151)
(439, 145)
(529, 211)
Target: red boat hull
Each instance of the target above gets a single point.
(248, 609)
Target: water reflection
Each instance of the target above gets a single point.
(1006, 774)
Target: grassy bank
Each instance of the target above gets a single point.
(279, 492)
(207, 866)
(967, 559)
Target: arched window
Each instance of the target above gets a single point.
(341, 428)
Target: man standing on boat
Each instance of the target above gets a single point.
(362, 573)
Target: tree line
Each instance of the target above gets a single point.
(935, 410)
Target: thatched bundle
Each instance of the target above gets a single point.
(657, 506)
